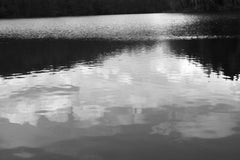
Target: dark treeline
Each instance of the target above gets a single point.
(38, 55)
(221, 56)
(43, 8)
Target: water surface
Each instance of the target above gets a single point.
(154, 86)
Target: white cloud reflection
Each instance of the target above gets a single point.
(152, 79)
(194, 124)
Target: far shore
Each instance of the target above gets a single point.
(186, 11)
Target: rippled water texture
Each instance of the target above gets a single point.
(137, 87)
(125, 27)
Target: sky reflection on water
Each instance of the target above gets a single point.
(169, 94)
(91, 99)
(125, 27)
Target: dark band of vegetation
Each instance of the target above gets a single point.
(43, 8)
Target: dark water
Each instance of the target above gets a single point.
(130, 87)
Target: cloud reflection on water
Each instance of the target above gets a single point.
(130, 87)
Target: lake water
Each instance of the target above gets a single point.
(123, 87)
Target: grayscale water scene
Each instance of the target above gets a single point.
(120, 87)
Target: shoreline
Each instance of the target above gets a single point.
(186, 11)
